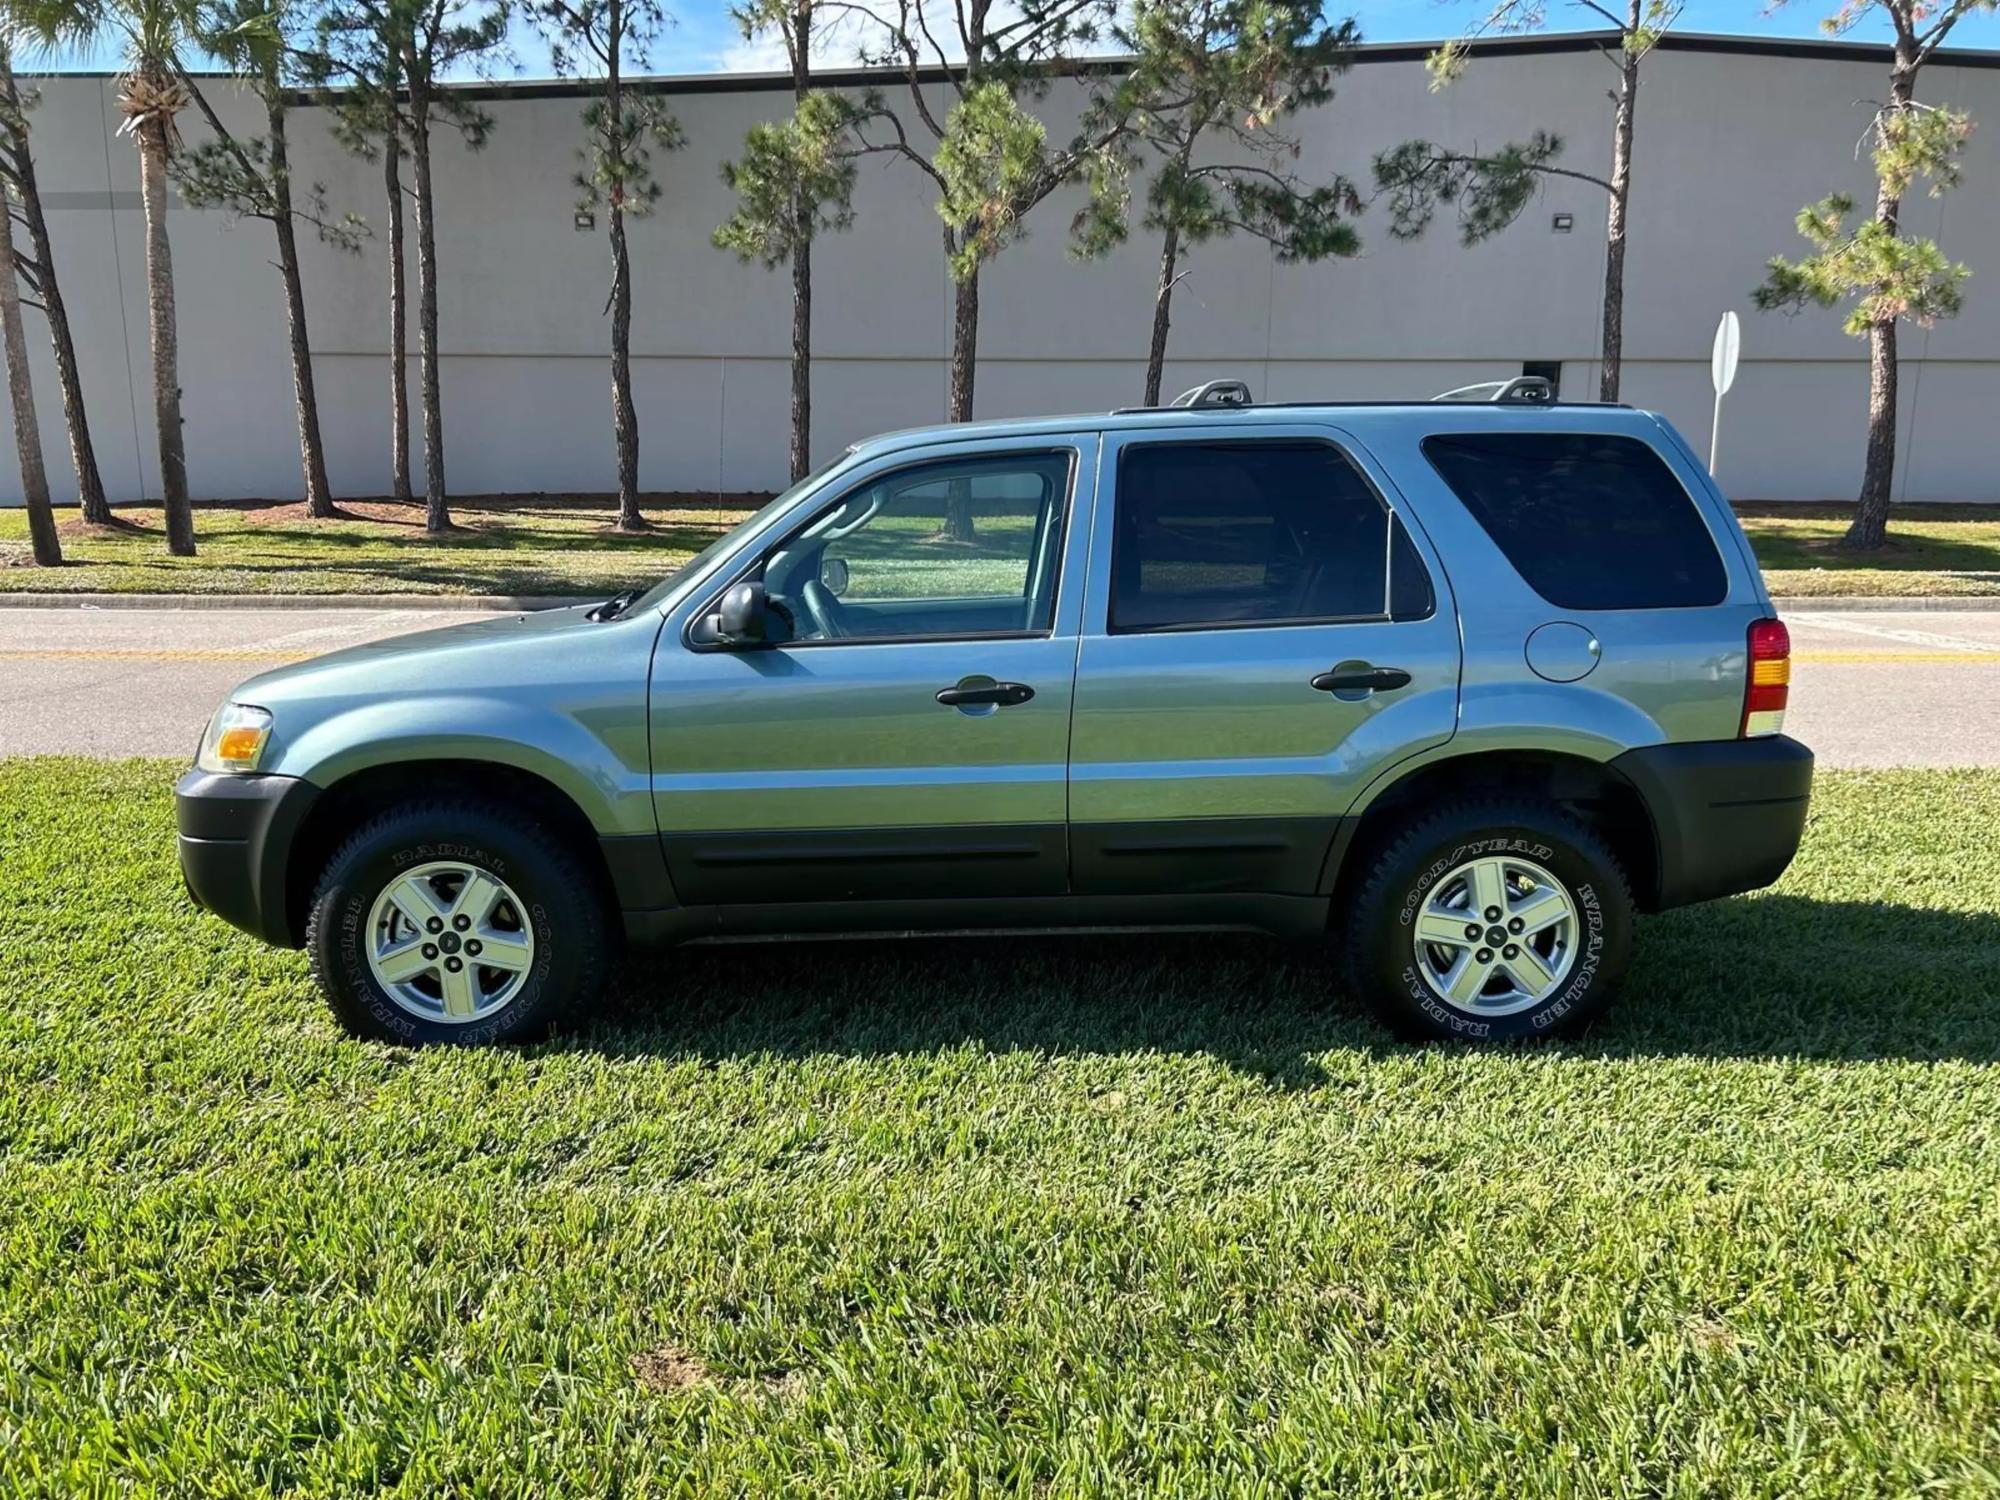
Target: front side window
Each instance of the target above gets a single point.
(1257, 532)
(1589, 520)
(956, 547)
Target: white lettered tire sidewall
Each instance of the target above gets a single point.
(1382, 952)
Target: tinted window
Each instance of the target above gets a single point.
(1252, 533)
(1591, 522)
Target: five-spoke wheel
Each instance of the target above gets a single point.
(449, 942)
(1496, 935)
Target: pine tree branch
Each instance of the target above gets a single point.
(899, 147)
(1458, 158)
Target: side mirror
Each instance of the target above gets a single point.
(743, 618)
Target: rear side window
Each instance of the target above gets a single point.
(1590, 521)
(1259, 532)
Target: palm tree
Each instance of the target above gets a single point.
(21, 391)
(152, 91)
(37, 271)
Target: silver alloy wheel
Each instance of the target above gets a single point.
(449, 942)
(1496, 936)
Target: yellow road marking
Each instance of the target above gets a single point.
(1849, 658)
(153, 653)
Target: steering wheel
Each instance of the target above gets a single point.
(825, 612)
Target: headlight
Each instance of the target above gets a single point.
(235, 739)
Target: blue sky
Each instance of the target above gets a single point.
(703, 39)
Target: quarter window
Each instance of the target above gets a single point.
(1589, 520)
(1263, 532)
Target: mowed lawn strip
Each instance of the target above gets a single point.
(565, 546)
(1933, 549)
(1085, 1217)
(499, 545)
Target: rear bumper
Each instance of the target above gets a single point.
(235, 843)
(1727, 814)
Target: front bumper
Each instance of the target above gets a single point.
(236, 836)
(1727, 814)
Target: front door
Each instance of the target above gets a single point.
(1263, 633)
(906, 732)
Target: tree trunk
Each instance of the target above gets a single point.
(399, 355)
(437, 516)
(1870, 527)
(802, 276)
(152, 135)
(624, 420)
(21, 391)
(802, 314)
(1163, 303)
(964, 347)
(1611, 349)
(312, 452)
(83, 456)
(958, 524)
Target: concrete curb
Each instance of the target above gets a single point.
(1869, 604)
(497, 602)
(509, 603)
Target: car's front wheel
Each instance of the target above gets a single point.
(1491, 919)
(457, 922)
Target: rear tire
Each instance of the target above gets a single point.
(1531, 914)
(460, 923)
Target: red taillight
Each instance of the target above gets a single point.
(1769, 684)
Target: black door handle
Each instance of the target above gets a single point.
(1361, 679)
(1002, 694)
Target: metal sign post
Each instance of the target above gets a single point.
(1722, 373)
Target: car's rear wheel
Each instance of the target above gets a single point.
(1488, 920)
(456, 922)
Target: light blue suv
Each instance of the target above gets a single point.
(1462, 687)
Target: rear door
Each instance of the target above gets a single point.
(1262, 634)
(909, 736)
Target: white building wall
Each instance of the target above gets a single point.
(1730, 145)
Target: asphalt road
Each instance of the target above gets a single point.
(1869, 689)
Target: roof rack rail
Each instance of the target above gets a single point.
(1214, 393)
(1522, 390)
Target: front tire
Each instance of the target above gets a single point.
(1486, 920)
(449, 922)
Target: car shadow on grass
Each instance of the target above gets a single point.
(1773, 976)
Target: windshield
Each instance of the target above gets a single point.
(655, 595)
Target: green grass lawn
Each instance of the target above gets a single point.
(553, 545)
(502, 546)
(1007, 1216)
(1933, 549)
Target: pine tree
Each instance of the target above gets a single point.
(1495, 187)
(251, 177)
(794, 181)
(600, 39)
(988, 157)
(1211, 82)
(1886, 274)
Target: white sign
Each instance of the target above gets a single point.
(1722, 374)
(1728, 345)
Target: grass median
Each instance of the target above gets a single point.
(1141, 1215)
(566, 545)
(498, 545)
(1951, 550)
